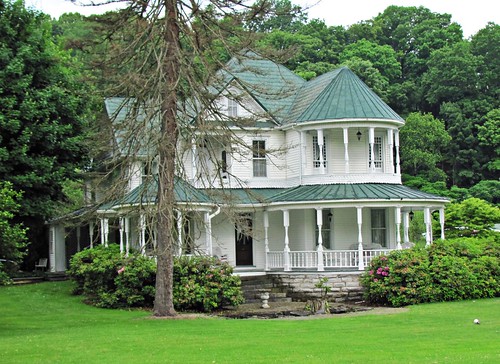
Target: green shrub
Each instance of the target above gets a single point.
(4, 277)
(135, 282)
(109, 279)
(94, 270)
(398, 279)
(204, 284)
(457, 269)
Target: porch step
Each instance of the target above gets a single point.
(252, 288)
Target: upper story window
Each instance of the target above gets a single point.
(377, 153)
(259, 158)
(232, 108)
(317, 152)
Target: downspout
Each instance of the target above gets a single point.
(209, 218)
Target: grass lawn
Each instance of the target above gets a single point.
(43, 323)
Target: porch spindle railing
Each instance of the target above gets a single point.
(275, 260)
(304, 259)
(331, 258)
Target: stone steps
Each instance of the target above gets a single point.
(253, 287)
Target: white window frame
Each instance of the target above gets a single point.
(259, 159)
(232, 108)
(316, 151)
(378, 153)
(379, 226)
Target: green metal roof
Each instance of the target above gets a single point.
(185, 193)
(272, 85)
(147, 193)
(134, 132)
(366, 191)
(339, 94)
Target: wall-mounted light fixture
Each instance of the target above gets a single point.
(358, 134)
(411, 214)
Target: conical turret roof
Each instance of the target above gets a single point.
(339, 95)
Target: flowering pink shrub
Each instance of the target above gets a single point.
(448, 270)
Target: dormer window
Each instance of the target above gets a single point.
(232, 108)
(317, 152)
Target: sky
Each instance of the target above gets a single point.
(472, 15)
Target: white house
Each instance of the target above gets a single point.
(313, 183)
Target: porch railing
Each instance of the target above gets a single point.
(331, 258)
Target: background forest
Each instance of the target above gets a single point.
(446, 87)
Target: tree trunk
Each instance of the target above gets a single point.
(163, 305)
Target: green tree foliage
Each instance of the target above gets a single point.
(472, 216)
(383, 57)
(272, 15)
(488, 190)
(12, 236)
(44, 113)
(423, 141)
(485, 45)
(489, 141)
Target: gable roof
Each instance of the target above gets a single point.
(272, 85)
(133, 131)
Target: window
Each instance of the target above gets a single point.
(232, 108)
(223, 164)
(259, 158)
(377, 153)
(378, 226)
(316, 152)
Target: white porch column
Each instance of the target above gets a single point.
(406, 227)
(428, 226)
(398, 228)
(193, 159)
(346, 150)
(396, 145)
(441, 221)
(127, 236)
(104, 231)
(302, 154)
(121, 230)
(78, 238)
(208, 233)
(319, 219)
(371, 140)
(91, 233)
(266, 239)
(179, 233)
(286, 251)
(142, 234)
(390, 146)
(321, 146)
(361, 263)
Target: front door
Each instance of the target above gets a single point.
(244, 241)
